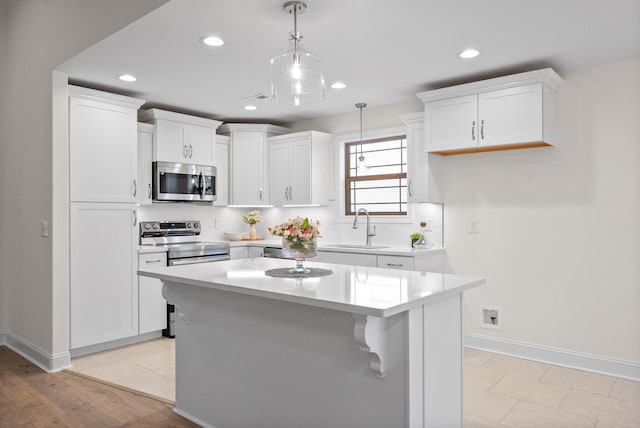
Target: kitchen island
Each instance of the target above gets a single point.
(362, 347)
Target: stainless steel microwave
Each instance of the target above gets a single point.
(180, 182)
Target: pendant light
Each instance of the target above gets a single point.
(362, 162)
(296, 75)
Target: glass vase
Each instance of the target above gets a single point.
(299, 251)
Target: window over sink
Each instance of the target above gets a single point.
(376, 176)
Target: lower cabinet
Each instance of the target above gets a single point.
(341, 258)
(246, 252)
(152, 307)
(103, 281)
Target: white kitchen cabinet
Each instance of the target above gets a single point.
(299, 166)
(145, 156)
(102, 146)
(222, 170)
(103, 281)
(424, 170)
(509, 112)
(182, 138)
(246, 252)
(396, 262)
(152, 306)
(248, 168)
(341, 258)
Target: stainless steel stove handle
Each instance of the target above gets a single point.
(191, 261)
(203, 186)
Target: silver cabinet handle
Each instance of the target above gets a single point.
(152, 261)
(185, 151)
(410, 188)
(291, 193)
(149, 192)
(395, 264)
(135, 217)
(286, 196)
(473, 131)
(482, 129)
(190, 151)
(135, 188)
(260, 190)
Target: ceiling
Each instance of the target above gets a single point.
(384, 50)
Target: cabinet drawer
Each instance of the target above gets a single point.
(395, 262)
(150, 260)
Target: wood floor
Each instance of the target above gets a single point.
(31, 397)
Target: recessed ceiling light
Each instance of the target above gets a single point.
(469, 53)
(250, 107)
(127, 77)
(338, 85)
(212, 41)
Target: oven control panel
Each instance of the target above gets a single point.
(169, 228)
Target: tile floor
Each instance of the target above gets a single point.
(500, 391)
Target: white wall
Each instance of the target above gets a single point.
(68, 26)
(4, 207)
(559, 228)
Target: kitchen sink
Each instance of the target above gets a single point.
(373, 247)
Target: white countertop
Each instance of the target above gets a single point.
(354, 289)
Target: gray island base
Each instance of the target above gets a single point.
(363, 347)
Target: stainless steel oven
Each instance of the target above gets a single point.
(183, 244)
(181, 182)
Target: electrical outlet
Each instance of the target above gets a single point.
(491, 317)
(44, 228)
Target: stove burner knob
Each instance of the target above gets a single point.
(147, 226)
(196, 225)
(188, 225)
(155, 225)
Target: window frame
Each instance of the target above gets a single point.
(393, 176)
(338, 155)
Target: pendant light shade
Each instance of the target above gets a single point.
(296, 75)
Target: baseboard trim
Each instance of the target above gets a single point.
(50, 363)
(191, 418)
(91, 349)
(559, 357)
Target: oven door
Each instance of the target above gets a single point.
(201, 259)
(180, 182)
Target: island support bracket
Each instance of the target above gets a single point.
(370, 333)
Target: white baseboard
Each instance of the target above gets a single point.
(48, 362)
(559, 357)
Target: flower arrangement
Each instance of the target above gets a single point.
(297, 229)
(252, 218)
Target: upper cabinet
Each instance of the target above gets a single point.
(182, 138)
(248, 168)
(103, 135)
(510, 112)
(222, 170)
(145, 155)
(424, 170)
(299, 166)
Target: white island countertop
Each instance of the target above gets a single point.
(354, 289)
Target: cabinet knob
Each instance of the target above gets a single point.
(473, 131)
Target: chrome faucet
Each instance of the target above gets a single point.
(369, 233)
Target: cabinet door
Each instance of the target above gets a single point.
(145, 173)
(510, 116)
(300, 176)
(201, 144)
(356, 259)
(103, 281)
(102, 152)
(236, 253)
(279, 173)
(222, 171)
(171, 142)
(248, 168)
(152, 306)
(255, 252)
(451, 123)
